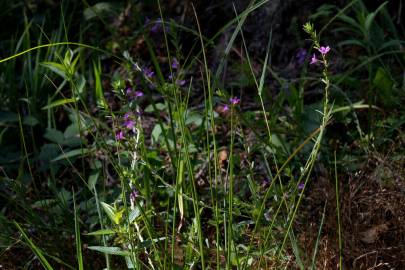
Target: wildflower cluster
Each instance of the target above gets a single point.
(323, 50)
(176, 72)
(131, 94)
(233, 101)
(127, 125)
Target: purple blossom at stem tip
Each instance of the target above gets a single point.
(324, 50)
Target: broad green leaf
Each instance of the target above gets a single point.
(54, 135)
(135, 213)
(101, 102)
(57, 68)
(110, 250)
(72, 153)
(93, 177)
(158, 106)
(110, 211)
(8, 117)
(60, 102)
(370, 17)
(350, 21)
(114, 215)
(97, 10)
(102, 232)
(382, 81)
(156, 132)
(43, 203)
(64, 196)
(80, 84)
(30, 121)
(194, 118)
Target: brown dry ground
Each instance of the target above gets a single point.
(372, 216)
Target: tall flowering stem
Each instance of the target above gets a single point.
(326, 116)
(309, 28)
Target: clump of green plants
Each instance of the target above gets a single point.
(156, 162)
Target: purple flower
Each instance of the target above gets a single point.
(314, 60)
(129, 124)
(138, 93)
(175, 63)
(301, 55)
(128, 91)
(127, 115)
(134, 195)
(170, 77)
(301, 186)
(119, 135)
(324, 50)
(157, 27)
(225, 108)
(234, 100)
(148, 72)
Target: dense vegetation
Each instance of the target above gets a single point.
(213, 135)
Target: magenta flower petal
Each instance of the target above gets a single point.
(234, 100)
(127, 115)
(138, 94)
(119, 135)
(129, 124)
(324, 50)
(314, 60)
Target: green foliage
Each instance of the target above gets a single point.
(202, 173)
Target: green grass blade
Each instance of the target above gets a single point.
(318, 238)
(79, 253)
(34, 248)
